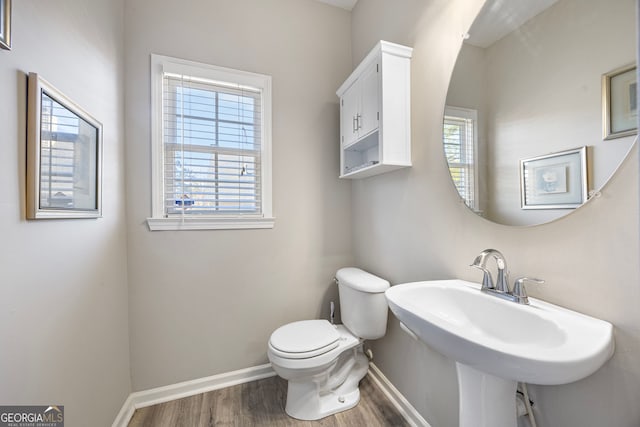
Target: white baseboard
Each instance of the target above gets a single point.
(141, 399)
(125, 414)
(397, 399)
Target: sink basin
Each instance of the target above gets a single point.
(499, 341)
(539, 343)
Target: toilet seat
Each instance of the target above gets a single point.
(304, 339)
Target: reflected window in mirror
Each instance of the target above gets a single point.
(460, 140)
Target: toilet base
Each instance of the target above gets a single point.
(330, 393)
(310, 406)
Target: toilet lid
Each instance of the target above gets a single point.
(306, 338)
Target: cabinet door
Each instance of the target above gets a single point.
(369, 99)
(349, 106)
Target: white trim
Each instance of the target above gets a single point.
(154, 396)
(403, 406)
(465, 113)
(186, 223)
(126, 413)
(381, 48)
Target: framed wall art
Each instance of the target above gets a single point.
(619, 103)
(5, 24)
(554, 181)
(64, 156)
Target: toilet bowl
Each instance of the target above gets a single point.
(324, 363)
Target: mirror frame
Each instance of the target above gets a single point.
(37, 87)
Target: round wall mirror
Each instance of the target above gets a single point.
(542, 106)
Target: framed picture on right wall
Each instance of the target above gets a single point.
(620, 103)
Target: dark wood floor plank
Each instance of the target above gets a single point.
(261, 404)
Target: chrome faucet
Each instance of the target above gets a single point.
(501, 288)
(487, 282)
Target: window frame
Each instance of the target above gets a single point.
(468, 114)
(158, 220)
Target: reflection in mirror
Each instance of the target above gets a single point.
(528, 83)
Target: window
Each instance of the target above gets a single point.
(211, 144)
(460, 145)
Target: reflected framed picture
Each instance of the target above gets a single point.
(620, 103)
(5, 24)
(554, 181)
(64, 156)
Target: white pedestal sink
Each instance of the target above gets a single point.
(498, 343)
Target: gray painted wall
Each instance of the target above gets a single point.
(63, 293)
(410, 225)
(206, 302)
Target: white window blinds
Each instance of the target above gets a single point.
(459, 147)
(58, 134)
(211, 147)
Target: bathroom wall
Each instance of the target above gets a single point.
(205, 302)
(63, 292)
(410, 225)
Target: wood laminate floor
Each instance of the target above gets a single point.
(261, 403)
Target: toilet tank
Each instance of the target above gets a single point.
(363, 306)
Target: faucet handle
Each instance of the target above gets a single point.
(487, 281)
(519, 290)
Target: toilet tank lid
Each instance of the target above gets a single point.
(361, 281)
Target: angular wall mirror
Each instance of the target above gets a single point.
(64, 156)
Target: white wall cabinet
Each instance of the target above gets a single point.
(359, 106)
(375, 113)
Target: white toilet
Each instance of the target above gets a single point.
(324, 363)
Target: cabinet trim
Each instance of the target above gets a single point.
(381, 47)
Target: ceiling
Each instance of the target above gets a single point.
(344, 4)
(506, 15)
(500, 17)
(497, 19)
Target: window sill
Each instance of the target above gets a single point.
(167, 224)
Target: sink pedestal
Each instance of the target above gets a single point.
(485, 400)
